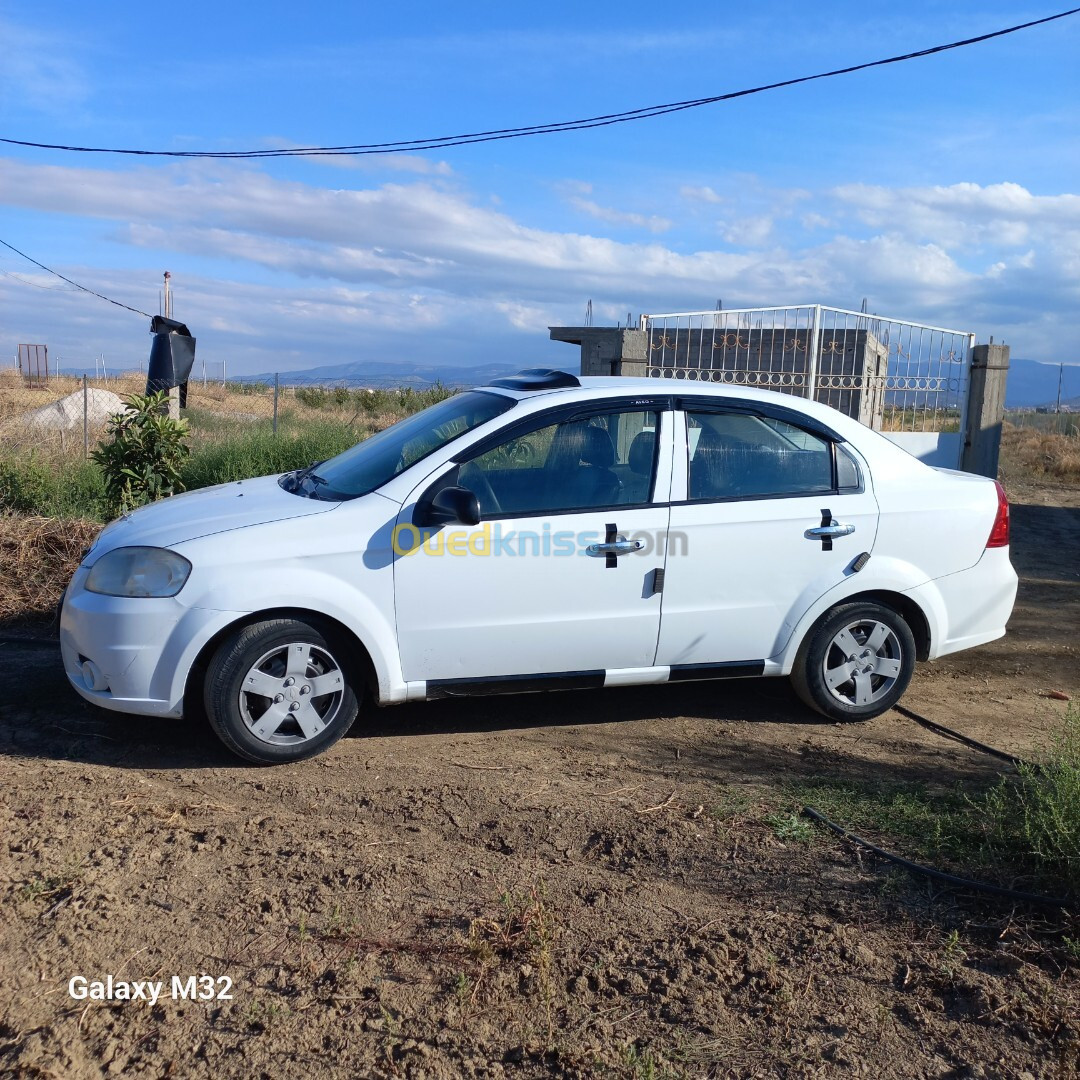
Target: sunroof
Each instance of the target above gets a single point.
(537, 379)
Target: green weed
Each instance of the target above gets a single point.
(642, 1064)
(930, 824)
(256, 451)
(952, 954)
(790, 827)
(31, 486)
(1023, 828)
(1035, 815)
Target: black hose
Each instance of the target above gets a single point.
(939, 875)
(948, 733)
(929, 871)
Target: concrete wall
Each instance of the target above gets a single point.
(986, 407)
(607, 350)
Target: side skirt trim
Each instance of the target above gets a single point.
(586, 680)
(739, 669)
(514, 684)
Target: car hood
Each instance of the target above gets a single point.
(206, 512)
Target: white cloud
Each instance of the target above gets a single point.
(652, 222)
(416, 266)
(530, 317)
(748, 230)
(574, 187)
(814, 220)
(963, 215)
(40, 71)
(703, 194)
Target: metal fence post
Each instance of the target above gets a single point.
(85, 420)
(275, 401)
(815, 352)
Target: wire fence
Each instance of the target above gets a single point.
(1045, 422)
(65, 416)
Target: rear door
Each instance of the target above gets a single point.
(748, 487)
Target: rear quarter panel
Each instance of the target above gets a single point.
(935, 520)
(933, 526)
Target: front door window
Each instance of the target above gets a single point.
(584, 463)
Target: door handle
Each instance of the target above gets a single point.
(615, 547)
(829, 532)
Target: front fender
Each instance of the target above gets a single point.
(305, 588)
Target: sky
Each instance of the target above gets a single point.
(944, 190)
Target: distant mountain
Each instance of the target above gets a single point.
(1032, 384)
(391, 374)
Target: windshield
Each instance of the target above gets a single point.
(371, 463)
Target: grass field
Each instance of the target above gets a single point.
(1050, 423)
(1033, 451)
(235, 433)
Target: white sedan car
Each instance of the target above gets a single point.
(544, 532)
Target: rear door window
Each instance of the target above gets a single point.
(742, 455)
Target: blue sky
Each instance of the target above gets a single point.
(944, 190)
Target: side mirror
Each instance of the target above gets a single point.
(451, 505)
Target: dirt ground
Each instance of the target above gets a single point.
(576, 885)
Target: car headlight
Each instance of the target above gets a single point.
(138, 571)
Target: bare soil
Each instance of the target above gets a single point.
(572, 885)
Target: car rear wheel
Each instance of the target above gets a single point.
(280, 690)
(856, 663)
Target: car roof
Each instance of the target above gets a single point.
(605, 387)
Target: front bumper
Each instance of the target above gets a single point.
(132, 655)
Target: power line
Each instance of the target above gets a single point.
(444, 141)
(81, 288)
(36, 284)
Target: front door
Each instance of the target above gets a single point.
(559, 578)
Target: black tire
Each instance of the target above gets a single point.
(865, 640)
(292, 661)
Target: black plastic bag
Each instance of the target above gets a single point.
(172, 355)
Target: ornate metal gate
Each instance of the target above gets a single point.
(908, 380)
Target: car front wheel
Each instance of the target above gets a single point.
(280, 691)
(856, 663)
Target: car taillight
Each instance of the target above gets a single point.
(999, 534)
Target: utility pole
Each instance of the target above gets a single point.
(174, 391)
(1061, 376)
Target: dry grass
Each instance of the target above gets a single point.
(216, 411)
(38, 555)
(1040, 453)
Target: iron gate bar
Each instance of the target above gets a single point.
(868, 315)
(892, 374)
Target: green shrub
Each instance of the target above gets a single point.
(414, 400)
(143, 454)
(247, 389)
(314, 397)
(1036, 813)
